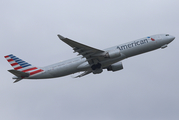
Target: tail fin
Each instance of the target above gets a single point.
(21, 68)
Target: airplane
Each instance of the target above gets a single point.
(90, 60)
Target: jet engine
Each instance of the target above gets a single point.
(113, 54)
(97, 68)
(115, 67)
(97, 71)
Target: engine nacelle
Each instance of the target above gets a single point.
(113, 54)
(97, 71)
(115, 67)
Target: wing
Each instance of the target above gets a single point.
(83, 74)
(92, 55)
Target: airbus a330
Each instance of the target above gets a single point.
(90, 60)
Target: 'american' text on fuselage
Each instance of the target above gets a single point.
(133, 44)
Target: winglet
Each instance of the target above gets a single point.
(61, 37)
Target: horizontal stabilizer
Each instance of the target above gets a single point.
(19, 73)
(17, 80)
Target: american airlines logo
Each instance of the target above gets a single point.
(133, 44)
(152, 39)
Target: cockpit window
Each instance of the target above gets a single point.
(167, 34)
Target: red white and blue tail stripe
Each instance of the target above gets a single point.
(21, 65)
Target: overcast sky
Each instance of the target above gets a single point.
(146, 89)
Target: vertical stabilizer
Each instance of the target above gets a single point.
(22, 69)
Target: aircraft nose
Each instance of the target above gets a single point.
(171, 38)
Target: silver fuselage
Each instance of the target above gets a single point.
(129, 49)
